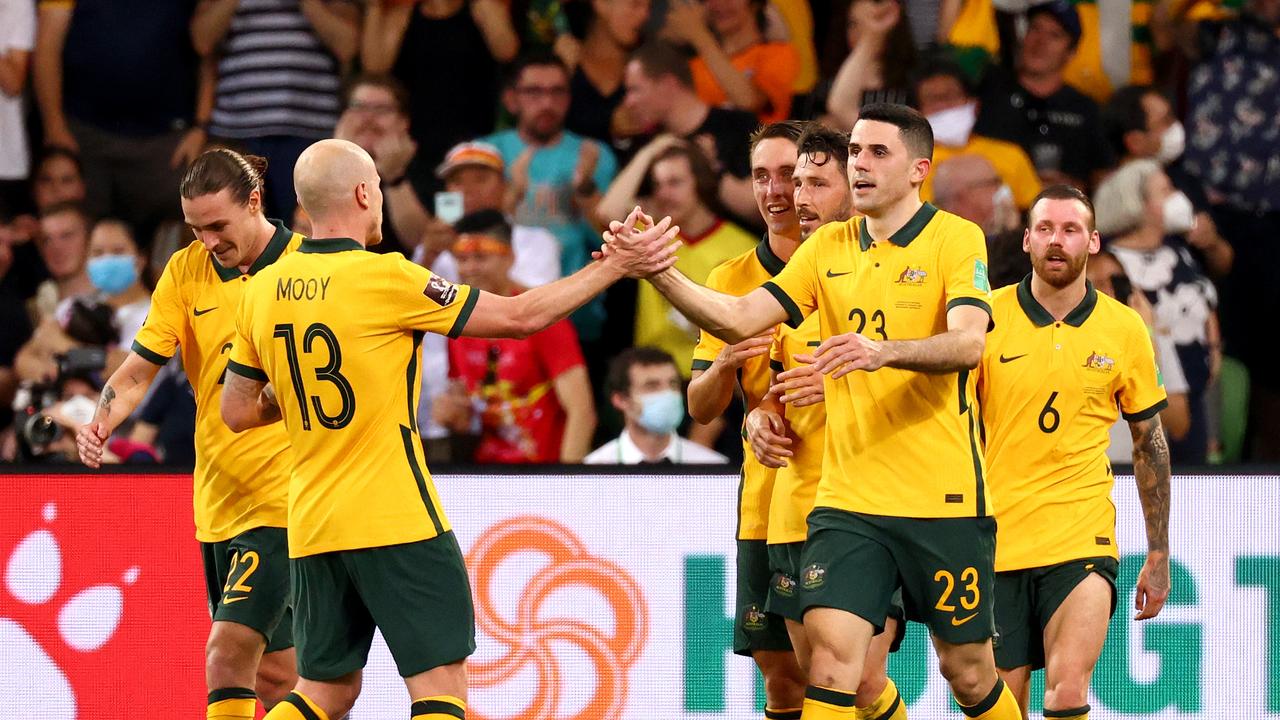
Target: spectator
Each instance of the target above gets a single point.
(58, 179)
(530, 397)
(680, 183)
(117, 269)
(660, 95)
(735, 66)
(278, 63)
(596, 88)
(1139, 123)
(118, 81)
(17, 38)
(1136, 206)
(644, 386)
(556, 176)
(968, 186)
(943, 94)
(15, 325)
(166, 419)
(443, 51)
(63, 245)
(1036, 109)
(881, 57)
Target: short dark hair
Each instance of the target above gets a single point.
(659, 59)
(913, 128)
(1123, 114)
(785, 129)
(379, 80)
(705, 182)
(224, 169)
(535, 59)
(818, 139)
(57, 151)
(73, 207)
(619, 378)
(942, 66)
(491, 223)
(1064, 192)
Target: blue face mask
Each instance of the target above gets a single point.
(662, 411)
(113, 274)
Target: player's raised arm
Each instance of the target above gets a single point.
(121, 395)
(1151, 470)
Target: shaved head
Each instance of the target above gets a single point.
(338, 186)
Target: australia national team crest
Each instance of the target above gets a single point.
(1099, 362)
(440, 290)
(754, 619)
(785, 585)
(813, 577)
(912, 275)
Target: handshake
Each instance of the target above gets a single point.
(638, 247)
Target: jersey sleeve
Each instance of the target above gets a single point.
(777, 354)
(421, 300)
(1141, 393)
(796, 287)
(709, 346)
(161, 332)
(244, 359)
(962, 262)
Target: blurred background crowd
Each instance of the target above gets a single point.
(507, 132)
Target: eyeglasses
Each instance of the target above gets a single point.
(534, 91)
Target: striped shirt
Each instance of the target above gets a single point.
(275, 77)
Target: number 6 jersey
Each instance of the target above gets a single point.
(1050, 392)
(336, 331)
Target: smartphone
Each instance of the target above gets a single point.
(449, 206)
(1122, 287)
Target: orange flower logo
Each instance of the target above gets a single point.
(528, 638)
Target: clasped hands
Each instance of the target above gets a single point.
(638, 247)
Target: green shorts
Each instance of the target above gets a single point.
(854, 562)
(1027, 599)
(754, 628)
(247, 582)
(784, 589)
(417, 594)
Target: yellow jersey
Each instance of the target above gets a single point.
(240, 481)
(898, 443)
(1050, 392)
(795, 485)
(740, 276)
(336, 331)
(660, 325)
(1011, 162)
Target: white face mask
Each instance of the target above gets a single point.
(1179, 215)
(953, 126)
(1172, 143)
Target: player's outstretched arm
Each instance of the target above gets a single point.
(731, 318)
(247, 403)
(1151, 470)
(959, 348)
(120, 397)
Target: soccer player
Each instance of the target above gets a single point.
(241, 482)
(787, 429)
(1063, 361)
(335, 330)
(719, 371)
(902, 298)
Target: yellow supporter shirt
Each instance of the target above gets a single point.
(1050, 392)
(662, 326)
(795, 485)
(1010, 161)
(740, 276)
(240, 481)
(336, 330)
(898, 443)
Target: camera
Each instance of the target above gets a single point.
(35, 428)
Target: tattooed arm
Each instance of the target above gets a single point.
(248, 403)
(120, 396)
(1151, 470)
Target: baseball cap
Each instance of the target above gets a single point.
(475, 154)
(1064, 13)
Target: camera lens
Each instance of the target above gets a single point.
(41, 430)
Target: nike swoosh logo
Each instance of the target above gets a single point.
(957, 622)
(228, 601)
(1004, 359)
(199, 312)
(837, 274)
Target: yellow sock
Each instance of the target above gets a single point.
(998, 705)
(782, 713)
(231, 704)
(296, 706)
(1080, 713)
(826, 704)
(889, 706)
(439, 707)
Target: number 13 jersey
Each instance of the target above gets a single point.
(336, 330)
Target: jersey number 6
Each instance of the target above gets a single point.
(331, 373)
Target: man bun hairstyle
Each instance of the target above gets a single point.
(224, 169)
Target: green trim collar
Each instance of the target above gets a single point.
(1040, 317)
(905, 234)
(329, 245)
(272, 252)
(768, 259)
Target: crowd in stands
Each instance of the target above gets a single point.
(508, 133)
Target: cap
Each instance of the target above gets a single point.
(1064, 13)
(476, 154)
